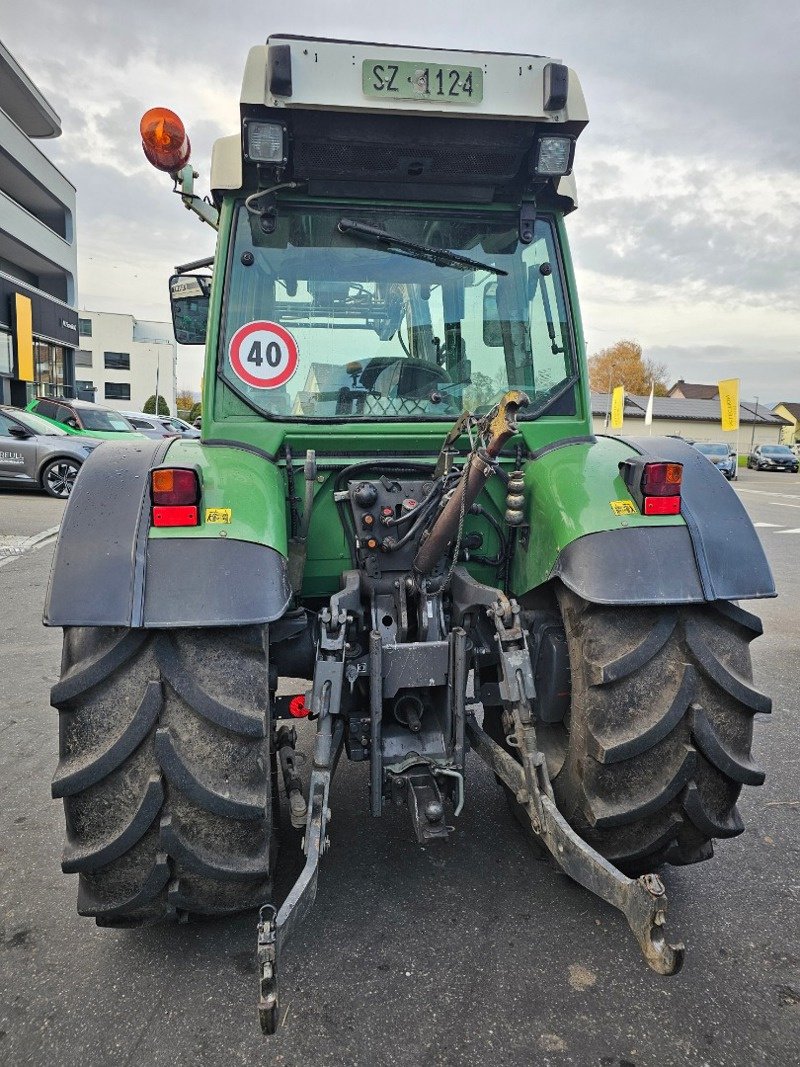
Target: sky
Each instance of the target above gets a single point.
(687, 236)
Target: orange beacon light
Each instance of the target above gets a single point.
(164, 139)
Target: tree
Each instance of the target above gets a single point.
(623, 364)
(197, 410)
(150, 405)
(184, 400)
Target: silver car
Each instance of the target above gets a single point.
(34, 451)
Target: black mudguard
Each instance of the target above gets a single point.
(717, 555)
(107, 572)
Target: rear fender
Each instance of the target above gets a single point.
(573, 495)
(112, 569)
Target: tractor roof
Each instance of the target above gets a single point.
(396, 121)
(308, 72)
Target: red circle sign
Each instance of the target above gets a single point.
(263, 354)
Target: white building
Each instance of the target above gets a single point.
(121, 357)
(38, 257)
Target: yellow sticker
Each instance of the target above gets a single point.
(623, 507)
(218, 514)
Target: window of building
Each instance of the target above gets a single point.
(84, 385)
(49, 367)
(85, 327)
(117, 390)
(83, 357)
(117, 360)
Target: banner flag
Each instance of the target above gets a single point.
(648, 415)
(617, 407)
(729, 403)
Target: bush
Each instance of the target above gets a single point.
(150, 406)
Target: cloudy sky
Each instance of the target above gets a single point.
(687, 238)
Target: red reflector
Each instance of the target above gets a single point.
(662, 479)
(175, 516)
(297, 706)
(662, 505)
(173, 486)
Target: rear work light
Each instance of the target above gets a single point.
(656, 487)
(554, 156)
(265, 142)
(175, 495)
(164, 139)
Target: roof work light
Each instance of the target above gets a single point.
(554, 156)
(164, 139)
(266, 142)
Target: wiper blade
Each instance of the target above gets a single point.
(440, 257)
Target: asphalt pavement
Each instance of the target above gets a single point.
(474, 952)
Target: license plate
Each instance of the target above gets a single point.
(426, 82)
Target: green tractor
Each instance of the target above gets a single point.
(398, 505)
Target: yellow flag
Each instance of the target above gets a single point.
(729, 403)
(617, 407)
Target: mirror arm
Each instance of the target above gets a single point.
(206, 212)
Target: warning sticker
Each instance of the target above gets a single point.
(623, 507)
(263, 354)
(218, 515)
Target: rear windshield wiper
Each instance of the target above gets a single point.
(441, 257)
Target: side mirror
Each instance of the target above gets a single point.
(189, 297)
(73, 423)
(19, 432)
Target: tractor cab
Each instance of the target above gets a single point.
(392, 242)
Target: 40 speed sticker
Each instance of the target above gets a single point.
(263, 354)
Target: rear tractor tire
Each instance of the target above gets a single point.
(164, 771)
(651, 756)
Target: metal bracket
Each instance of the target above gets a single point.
(275, 930)
(643, 901)
(206, 212)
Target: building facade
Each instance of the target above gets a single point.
(121, 359)
(791, 412)
(38, 254)
(695, 420)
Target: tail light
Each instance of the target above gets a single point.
(164, 139)
(175, 496)
(656, 487)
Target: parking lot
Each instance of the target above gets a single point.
(478, 952)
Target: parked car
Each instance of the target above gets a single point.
(773, 458)
(721, 455)
(183, 428)
(198, 422)
(35, 452)
(150, 425)
(82, 418)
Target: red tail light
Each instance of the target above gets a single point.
(656, 487)
(662, 479)
(175, 493)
